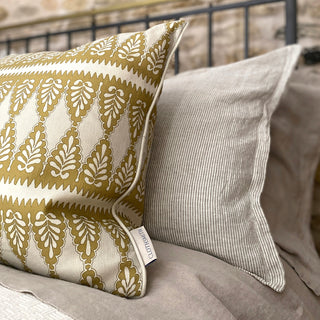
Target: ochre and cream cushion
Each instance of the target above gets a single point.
(208, 162)
(75, 132)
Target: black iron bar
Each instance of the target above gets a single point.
(210, 22)
(291, 21)
(147, 24)
(8, 44)
(176, 62)
(47, 39)
(93, 28)
(69, 40)
(27, 45)
(246, 32)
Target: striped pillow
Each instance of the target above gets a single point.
(208, 162)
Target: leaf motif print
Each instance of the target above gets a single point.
(76, 51)
(6, 144)
(132, 48)
(140, 191)
(17, 231)
(65, 158)
(50, 55)
(86, 235)
(137, 117)
(91, 279)
(113, 105)
(156, 58)
(80, 97)
(19, 59)
(62, 166)
(33, 57)
(152, 122)
(49, 232)
(21, 94)
(173, 25)
(118, 234)
(125, 174)
(32, 152)
(102, 47)
(128, 284)
(49, 93)
(98, 167)
(65, 161)
(5, 88)
(10, 59)
(31, 155)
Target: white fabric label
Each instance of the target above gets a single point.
(144, 244)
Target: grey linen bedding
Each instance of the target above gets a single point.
(182, 284)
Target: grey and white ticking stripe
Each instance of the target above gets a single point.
(208, 163)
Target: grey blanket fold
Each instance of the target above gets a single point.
(182, 284)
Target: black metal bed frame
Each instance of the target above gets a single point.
(290, 11)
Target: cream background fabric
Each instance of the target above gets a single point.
(294, 155)
(208, 162)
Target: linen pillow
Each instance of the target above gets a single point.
(76, 132)
(315, 218)
(207, 166)
(287, 195)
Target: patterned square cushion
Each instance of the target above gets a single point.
(208, 162)
(76, 129)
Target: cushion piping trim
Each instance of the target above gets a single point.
(139, 169)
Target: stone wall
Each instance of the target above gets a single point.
(266, 26)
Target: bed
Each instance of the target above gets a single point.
(228, 214)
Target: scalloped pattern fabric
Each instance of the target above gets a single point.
(75, 133)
